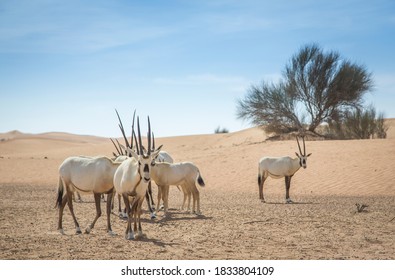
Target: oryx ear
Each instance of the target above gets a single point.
(160, 147)
(155, 154)
(309, 155)
(297, 154)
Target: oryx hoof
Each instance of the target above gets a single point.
(263, 201)
(153, 216)
(88, 230)
(61, 231)
(122, 216)
(139, 235)
(129, 236)
(289, 201)
(111, 233)
(78, 230)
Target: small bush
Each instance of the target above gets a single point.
(359, 124)
(221, 130)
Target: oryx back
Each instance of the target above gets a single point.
(163, 156)
(88, 174)
(276, 167)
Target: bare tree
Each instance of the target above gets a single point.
(325, 83)
(270, 106)
(322, 85)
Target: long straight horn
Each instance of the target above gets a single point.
(149, 137)
(135, 141)
(139, 137)
(153, 141)
(122, 130)
(304, 147)
(131, 137)
(300, 151)
(120, 148)
(119, 153)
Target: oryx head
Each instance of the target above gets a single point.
(143, 156)
(145, 159)
(302, 157)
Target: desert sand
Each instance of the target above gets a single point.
(323, 223)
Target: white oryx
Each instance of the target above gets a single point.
(122, 154)
(184, 174)
(86, 175)
(178, 173)
(279, 167)
(132, 178)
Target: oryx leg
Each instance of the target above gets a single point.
(159, 196)
(196, 199)
(121, 213)
(61, 208)
(69, 195)
(150, 202)
(261, 180)
(140, 229)
(134, 210)
(150, 196)
(110, 203)
(186, 195)
(189, 197)
(128, 233)
(97, 197)
(287, 187)
(78, 199)
(165, 197)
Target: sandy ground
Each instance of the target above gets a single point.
(322, 223)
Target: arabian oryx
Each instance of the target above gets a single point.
(122, 154)
(184, 174)
(86, 175)
(132, 179)
(279, 167)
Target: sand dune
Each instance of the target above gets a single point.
(323, 224)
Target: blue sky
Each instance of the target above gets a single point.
(66, 65)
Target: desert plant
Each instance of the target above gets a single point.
(319, 83)
(359, 124)
(221, 130)
(381, 126)
(271, 107)
(361, 207)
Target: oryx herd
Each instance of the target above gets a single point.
(132, 169)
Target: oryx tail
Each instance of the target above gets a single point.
(200, 180)
(60, 193)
